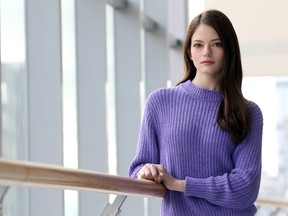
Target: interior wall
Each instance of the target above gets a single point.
(263, 37)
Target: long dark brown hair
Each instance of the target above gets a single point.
(233, 114)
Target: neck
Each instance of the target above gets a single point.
(206, 82)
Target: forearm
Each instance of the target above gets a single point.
(177, 185)
(230, 190)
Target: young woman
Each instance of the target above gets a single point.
(202, 139)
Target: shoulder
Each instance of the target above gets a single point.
(255, 112)
(161, 95)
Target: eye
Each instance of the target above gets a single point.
(197, 45)
(218, 44)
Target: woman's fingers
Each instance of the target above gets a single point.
(158, 173)
(151, 172)
(144, 172)
(160, 177)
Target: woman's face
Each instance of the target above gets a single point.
(206, 50)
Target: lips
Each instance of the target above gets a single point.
(207, 62)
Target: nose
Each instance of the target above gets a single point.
(207, 51)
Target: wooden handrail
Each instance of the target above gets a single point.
(272, 202)
(23, 173)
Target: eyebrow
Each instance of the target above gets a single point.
(216, 39)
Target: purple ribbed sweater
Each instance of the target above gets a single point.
(179, 130)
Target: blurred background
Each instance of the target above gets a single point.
(75, 75)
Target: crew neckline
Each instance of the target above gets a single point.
(201, 93)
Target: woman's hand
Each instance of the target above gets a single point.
(157, 173)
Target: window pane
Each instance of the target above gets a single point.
(70, 138)
(14, 97)
(271, 94)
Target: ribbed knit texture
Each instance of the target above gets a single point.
(179, 130)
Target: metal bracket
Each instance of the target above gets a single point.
(118, 4)
(114, 208)
(147, 23)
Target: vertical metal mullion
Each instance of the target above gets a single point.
(127, 76)
(91, 96)
(44, 97)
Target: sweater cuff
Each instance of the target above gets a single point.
(196, 187)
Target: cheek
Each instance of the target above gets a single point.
(194, 56)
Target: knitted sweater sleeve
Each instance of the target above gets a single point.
(147, 149)
(239, 188)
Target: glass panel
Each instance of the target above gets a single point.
(14, 143)
(13, 80)
(70, 137)
(271, 94)
(110, 92)
(110, 95)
